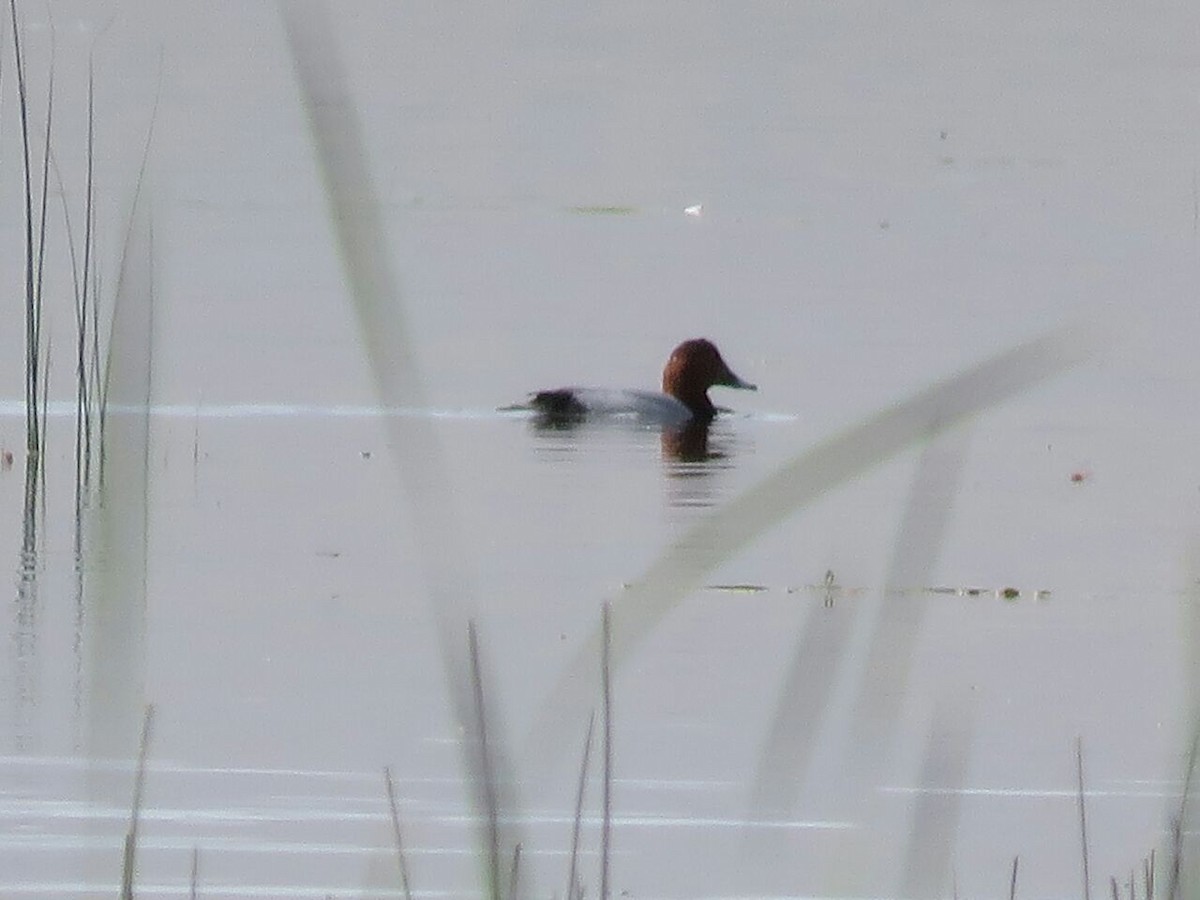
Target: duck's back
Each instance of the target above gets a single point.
(650, 406)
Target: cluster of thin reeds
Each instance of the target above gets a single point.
(39, 161)
(90, 386)
(1142, 882)
(1128, 890)
(499, 887)
(36, 343)
(498, 884)
(44, 170)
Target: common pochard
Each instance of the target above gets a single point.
(693, 368)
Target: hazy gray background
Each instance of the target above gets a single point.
(890, 194)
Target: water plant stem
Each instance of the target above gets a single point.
(1083, 838)
(606, 691)
(574, 890)
(484, 768)
(401, 860)
(139, 781)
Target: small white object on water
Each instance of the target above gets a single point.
(697, 210)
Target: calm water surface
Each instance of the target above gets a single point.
(878, 697)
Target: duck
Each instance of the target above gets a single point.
(693, 367)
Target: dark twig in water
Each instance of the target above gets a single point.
(574, 889)
(194, 882)
(1176, 857)
(606, 691)
(1087, 881)
(135, 812)
(514, 873)
(1177, 826)
(401, 859)
(491, 803)
(1012, 885)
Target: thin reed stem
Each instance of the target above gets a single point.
(1083, 838)
(401, 859)
(42, 349)
(1178, 824)
(606, 691)
(32, 434)
(81, 284)
(514, 873)
(573, 887)
(45, 196)
(485, 768)
(89, 221)
(135, 812)
(80, 336)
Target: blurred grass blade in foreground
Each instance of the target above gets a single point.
(863, 651)
(683, 565)
(116, 619)
(358, 227)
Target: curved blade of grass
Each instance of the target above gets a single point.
(684, 564)
(829, 661)
(929, 856)
(137, 219)
(358, 228)
(887, 650)
(116, 606)
(808, 683)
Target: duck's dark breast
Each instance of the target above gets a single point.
(561, 402)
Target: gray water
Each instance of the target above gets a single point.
(880, 696)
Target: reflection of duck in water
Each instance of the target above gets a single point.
(688, 443)
(693, 368)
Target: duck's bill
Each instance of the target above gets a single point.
(738, 384)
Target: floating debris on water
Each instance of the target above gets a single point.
(829, 590)
(696, 210)
(1005, 593)
(603, 210)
